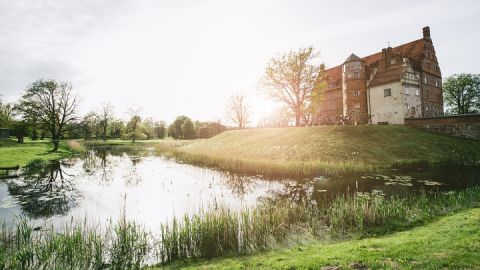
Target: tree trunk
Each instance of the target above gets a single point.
(55, 141)
(104, 134)
(298, 117)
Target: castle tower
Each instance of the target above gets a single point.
(354, 90)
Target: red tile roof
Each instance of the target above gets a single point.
(390, 74)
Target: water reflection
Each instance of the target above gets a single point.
(44, 190)
(152, 189)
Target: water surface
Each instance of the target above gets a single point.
(108, 183)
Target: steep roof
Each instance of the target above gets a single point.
(353, 57)
(412, 50)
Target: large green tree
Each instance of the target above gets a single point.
(6, 114)
(55, 103)
(291, 79)
(461, 93)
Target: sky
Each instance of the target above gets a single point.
(186, 57)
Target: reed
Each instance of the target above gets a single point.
(218, 231)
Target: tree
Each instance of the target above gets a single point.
(88, 125)
(55, 103)
(160, 129)
(105, 115)
(238, 111)
(149, 128)
(179, 129)
(19, 130)
(461, 93)
(117, 128)
(291, 79)
(188, 129)
(6, 114)
(134, 125)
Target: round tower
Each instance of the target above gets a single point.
(354, 91)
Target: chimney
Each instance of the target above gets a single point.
(426, 32)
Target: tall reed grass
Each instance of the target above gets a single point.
(219, 231)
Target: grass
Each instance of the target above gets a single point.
(313, 151)
(220, 232)
(451, 242)
(13, 154)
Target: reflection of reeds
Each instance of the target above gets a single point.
(219, 231)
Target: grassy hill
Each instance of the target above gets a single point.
(300, 152)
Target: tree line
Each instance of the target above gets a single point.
(49, 108)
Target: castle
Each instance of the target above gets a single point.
(385, 87)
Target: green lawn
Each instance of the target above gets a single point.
(13, 154)
(451, 242)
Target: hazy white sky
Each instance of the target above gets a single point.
(187, 56)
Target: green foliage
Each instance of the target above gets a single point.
(188, 130)
(182, 128)
(134, 130)
(6, 114)
(461, 93)
(291, 79)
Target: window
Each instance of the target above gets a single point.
(349, 75)
(356, 75)
(387, 92)
(427, 64)
(407, 91)
(417, 92)
(436, 83)
(357, 105)
(413, 111)
(332, 85)
(425, 80)
(393, 61)
(356, 93)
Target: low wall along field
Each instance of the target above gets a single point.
(465, 125)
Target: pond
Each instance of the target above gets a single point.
(109, 183)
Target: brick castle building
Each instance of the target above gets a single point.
(385, 87)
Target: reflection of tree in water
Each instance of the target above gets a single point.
(95, 162)
(133, 177)
(295, 192)
(239, 185)
(44, 191)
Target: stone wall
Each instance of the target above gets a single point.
(465, 125)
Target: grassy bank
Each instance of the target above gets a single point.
(13, 153)
(451, 242)
(221, 232)
(306, 152)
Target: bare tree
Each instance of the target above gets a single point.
(55, 103)
(105, 116)
(238, 110)
(291, 79)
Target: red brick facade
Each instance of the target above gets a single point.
(346, 96)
